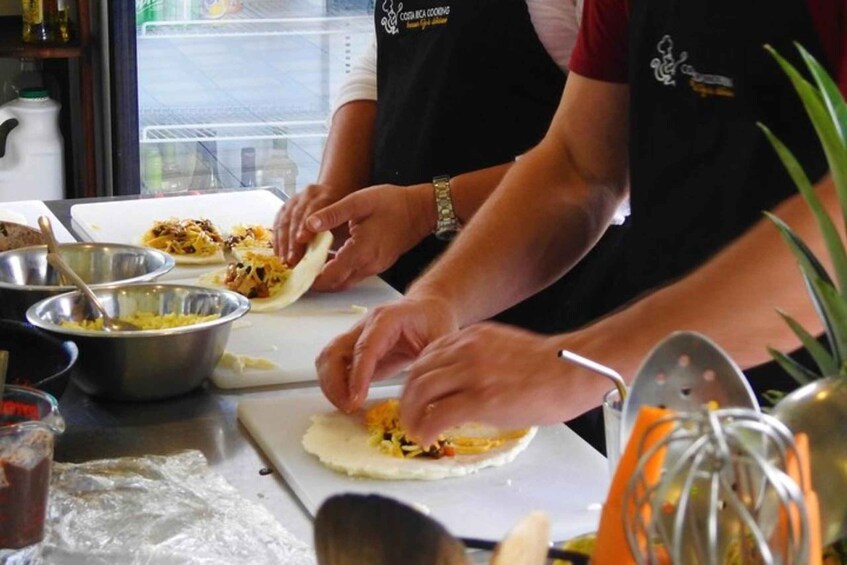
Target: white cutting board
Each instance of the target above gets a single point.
(292, 337)
(125, 221)
(558, 473)
(30, 210)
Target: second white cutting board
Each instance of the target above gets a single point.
(558, 473)
(291, 338)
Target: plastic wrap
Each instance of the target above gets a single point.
(159, 509)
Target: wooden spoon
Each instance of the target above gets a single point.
(52, 243)
(110, 324)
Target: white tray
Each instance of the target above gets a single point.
(125, 221)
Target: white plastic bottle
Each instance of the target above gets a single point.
(31, 151)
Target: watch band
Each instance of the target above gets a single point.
(447, 224)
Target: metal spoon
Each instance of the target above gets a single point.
(110, 324)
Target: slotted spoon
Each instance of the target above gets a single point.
(684, 372)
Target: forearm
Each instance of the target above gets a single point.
(348, 153)
(469, 191)
(551, 207)
(541, 220)
(732, 299)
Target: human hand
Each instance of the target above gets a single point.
(290, 234)
(384, 222)
(379, 346)
(496, 374)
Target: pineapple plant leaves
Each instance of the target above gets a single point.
(828, 113)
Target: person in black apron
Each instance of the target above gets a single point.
(431, 119)
(468, 93)
(701, 174)
(701, 170)
(464, 86)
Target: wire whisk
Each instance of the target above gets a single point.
(723, 496)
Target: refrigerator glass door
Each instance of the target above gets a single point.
(236, 93)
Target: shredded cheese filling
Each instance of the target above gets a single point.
(184, 237)
(257, 275)
(146, 321)
(389, 436)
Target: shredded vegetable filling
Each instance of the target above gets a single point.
(185, 237)
(249, 237)
(257, 275)
(389, 436)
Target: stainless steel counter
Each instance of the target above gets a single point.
(204, 420)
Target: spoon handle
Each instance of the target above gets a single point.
(552, 553)
(59, 264)
(52, 243)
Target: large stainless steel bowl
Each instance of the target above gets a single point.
(145, 364)
(26, 277)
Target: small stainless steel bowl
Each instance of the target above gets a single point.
(145, 364)
(26, 277)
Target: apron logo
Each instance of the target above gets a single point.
(389, 20)
(664, 69)
(704, 85)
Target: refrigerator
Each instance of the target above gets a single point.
(222, 94)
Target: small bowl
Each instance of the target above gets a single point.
(36, 358)
(26, 277)
(144, 364)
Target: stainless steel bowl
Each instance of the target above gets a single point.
(26, 277)
(145, 364)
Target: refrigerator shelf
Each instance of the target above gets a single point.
(234, 123)
(258, 19)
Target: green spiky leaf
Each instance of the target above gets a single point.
(811, 269)
(828, 132)
(827, 365)
(835, 309)
(797, 371)
(825, 223)
(831, 94)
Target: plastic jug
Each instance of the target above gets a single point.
(31, 148)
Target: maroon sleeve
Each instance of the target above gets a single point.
(602, 44)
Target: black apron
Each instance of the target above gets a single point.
(462, 86)
(701, 171)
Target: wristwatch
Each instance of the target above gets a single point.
(447, 224)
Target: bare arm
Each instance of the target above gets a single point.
(477, 373)
(733, 298)
(551, 207)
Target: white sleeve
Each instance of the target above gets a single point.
(556, 24)
(360, 83)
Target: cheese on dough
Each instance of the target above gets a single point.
(341, 442)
